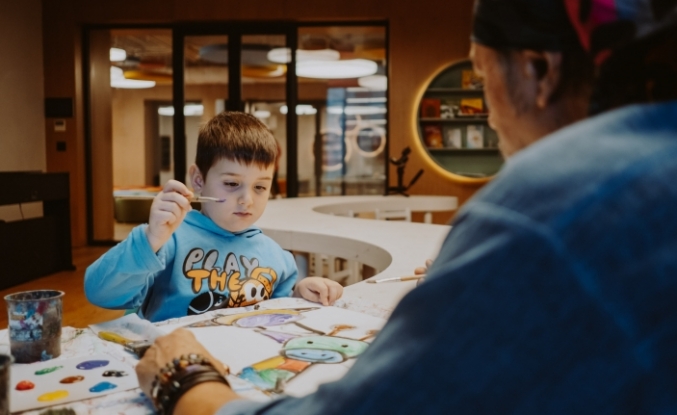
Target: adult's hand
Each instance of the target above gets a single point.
(204, 398)
(423, 270)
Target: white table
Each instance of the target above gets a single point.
(394, 247)
(310, 225)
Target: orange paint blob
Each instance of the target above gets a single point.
(53, 396)
(72, 379)
(24, 385)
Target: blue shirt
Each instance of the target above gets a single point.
(554, 293)
(202, 267)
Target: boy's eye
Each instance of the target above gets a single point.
(231, 184)
(260, 188)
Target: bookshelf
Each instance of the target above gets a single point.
(453, 123)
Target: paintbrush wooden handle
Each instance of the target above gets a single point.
(396, 279)
(412, 277)
(192, 199)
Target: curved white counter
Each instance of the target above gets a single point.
(393, 247)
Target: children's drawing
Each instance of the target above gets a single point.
(302, 345)
(43, 384)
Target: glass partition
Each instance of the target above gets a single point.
(342, 111)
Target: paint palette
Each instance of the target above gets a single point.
(56, 382)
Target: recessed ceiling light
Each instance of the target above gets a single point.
(374, 82)
(352, 68)
(117, 55)
(357, 110)
(188, 110)
(118, 80)
(283, 55)
(262, 114)
(302, 109)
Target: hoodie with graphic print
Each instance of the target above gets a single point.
(201, 268)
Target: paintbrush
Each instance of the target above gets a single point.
(202, 199)
(395, 279)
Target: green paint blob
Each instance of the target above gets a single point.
(47, 370)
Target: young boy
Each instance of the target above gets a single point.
(188, 262)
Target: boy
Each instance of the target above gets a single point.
(188, 262)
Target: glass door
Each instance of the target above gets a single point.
(232, 67)
(342, 111)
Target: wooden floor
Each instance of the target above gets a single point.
(77, 311)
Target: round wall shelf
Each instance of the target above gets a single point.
(453, 126)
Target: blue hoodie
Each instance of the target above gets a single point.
(201, 268)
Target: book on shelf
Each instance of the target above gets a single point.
(453, 137)
(470, 80)
(430, 108)
(448, 108)
(475, 136)
(472, 106)
(433, 136)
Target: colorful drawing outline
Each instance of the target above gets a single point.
(298, 352)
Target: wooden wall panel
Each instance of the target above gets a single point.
(102, 135)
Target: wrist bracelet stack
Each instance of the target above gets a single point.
(178, 377)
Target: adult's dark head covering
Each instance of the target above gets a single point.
(523, 24)
(597, 25)
(632, 42)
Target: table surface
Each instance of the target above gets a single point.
(304, 224)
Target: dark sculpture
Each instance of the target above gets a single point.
(401, 163)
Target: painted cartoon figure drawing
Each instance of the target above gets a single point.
(302, 346)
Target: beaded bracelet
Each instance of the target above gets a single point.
(178, 377)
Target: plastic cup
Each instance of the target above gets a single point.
(5, 364)
(34, 325)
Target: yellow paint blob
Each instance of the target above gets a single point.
(53, 396)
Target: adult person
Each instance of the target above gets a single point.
(553, 293)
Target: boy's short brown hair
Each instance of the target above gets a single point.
(235, 136)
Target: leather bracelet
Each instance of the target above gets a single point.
(178, 377)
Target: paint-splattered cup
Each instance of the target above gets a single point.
(34, 325)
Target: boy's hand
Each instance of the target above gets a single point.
(168, 210)
(319, 290)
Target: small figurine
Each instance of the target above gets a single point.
(401, 164)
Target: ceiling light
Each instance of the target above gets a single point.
(352, 68)
(283, 55)
(374, 82)
(188, 110)
(117, 55)
(262, 114)
(300, 110)
(356, 110)
(118, 80)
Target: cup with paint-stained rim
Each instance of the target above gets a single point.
(35, 325)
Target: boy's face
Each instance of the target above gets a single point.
(245, 188)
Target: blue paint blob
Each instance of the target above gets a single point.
(92, 364)
(103, 386)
